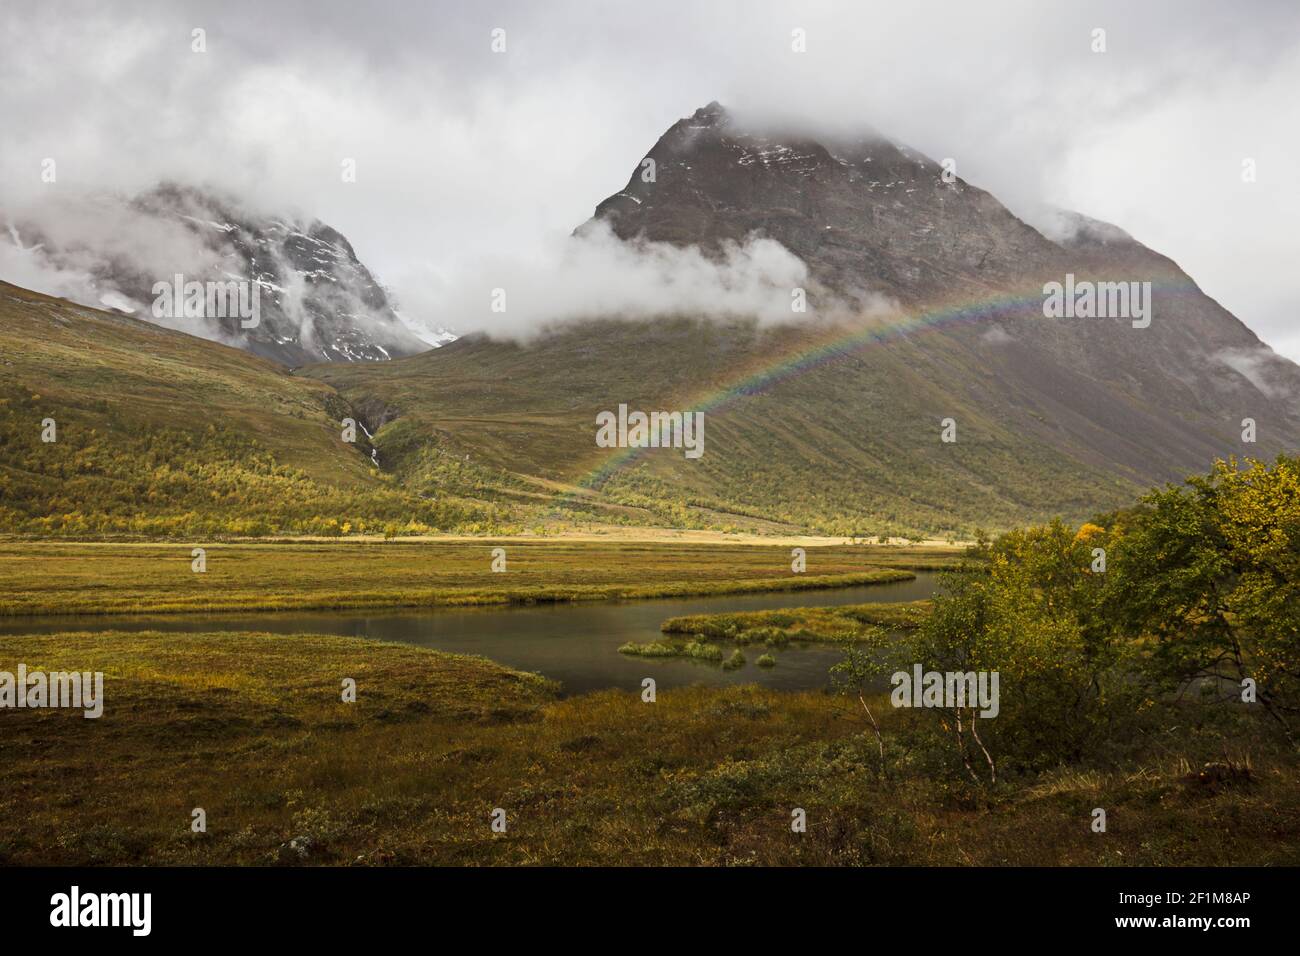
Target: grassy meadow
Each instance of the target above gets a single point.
(1147, 666)
(107, 578)
(252, 728)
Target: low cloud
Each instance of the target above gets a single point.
(107, 251)
(593, 274)
(100, 250)
(996, 335)
(1261, 367)
(462, 152)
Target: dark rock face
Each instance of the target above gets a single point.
(856, 211)
(871, 217)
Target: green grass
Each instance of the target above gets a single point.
(87, 578)
(651, 649)
(843, 623)
(251, 728)
(698, 650)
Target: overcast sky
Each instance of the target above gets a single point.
(463, 154)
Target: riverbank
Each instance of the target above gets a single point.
(50, 578)
(602, 533)
(252, 728)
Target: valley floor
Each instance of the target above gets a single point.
(106, 578)
(251, 728)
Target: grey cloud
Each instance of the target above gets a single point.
(463, 155)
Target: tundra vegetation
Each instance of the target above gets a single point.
(1120, 689)
(1178, 617)
(692, 635)
(119, 577)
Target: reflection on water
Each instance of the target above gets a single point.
(575, 644)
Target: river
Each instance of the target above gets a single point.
(575, 644)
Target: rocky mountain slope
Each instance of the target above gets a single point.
(926, 303)
(317, 300)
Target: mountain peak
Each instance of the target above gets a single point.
(859, 210)
(715, 114)
(317, 300)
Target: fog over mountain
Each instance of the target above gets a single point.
(315, 300)
(470, 164)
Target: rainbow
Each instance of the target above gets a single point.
(842, 343)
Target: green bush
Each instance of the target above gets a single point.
(736, 660)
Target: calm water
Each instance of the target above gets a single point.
(576, 644)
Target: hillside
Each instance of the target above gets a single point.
(162, 433)
(925, 304)
(783, 455)
(833, 423)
